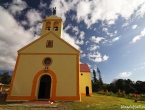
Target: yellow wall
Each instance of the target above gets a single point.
(29, 65)
(40, 46)
(85, 80)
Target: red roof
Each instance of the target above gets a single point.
(84, 68)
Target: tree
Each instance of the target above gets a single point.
(95, 82)
(100, 78)
(120, 83)
(0, 77)
(138, 86)
(6, 78)
(94, 78)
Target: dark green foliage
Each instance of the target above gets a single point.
(96, 86)
(0, 77)
(94, 78)
(128, 86)
(5, 78)
(100, 78)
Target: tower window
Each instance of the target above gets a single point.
(48, 28)
(56, 25)
(48, 25)
(49, 43)
(56, 28)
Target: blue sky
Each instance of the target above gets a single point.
(109, 35)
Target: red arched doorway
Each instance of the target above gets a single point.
(44, 87)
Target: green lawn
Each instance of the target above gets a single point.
(103, 102)
(95, 102)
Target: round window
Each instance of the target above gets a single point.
(47, 61)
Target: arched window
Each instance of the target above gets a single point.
(48, 25)
(55, 26)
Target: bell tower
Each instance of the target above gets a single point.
(52, 23)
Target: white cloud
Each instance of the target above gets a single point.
(105, 57)
(97, 57)
(24, 22)
(107, 32)
(75, 29)
(116, 39)
(12, 38)
(33, 17)
(93, 47)
(125, 74)
(36, 29)
(92, 11)
(82, 35)
(96, 39)
(83, 55)
(42, 5)
(141, 10)
(134, 26)
(87, 42)
(70, 40)
(17, 6)
(138, 37)
(105, 41)
(139, 68)
(67, 27)
(80, 40)
(125, 24)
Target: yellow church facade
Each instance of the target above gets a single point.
(48, 68)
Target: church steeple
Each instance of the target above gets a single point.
(52, 23)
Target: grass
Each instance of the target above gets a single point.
(104, 102)
(95, 102)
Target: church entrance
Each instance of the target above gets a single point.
(44, 87)
(87, 91)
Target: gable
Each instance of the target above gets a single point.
(39, 45)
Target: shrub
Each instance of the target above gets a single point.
(142, 97)
(123, 94)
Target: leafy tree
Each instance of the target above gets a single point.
(6, 78)
(112, 87)
(138, 86)
(124, 85)
(120, 83)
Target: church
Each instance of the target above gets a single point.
(49, 68)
